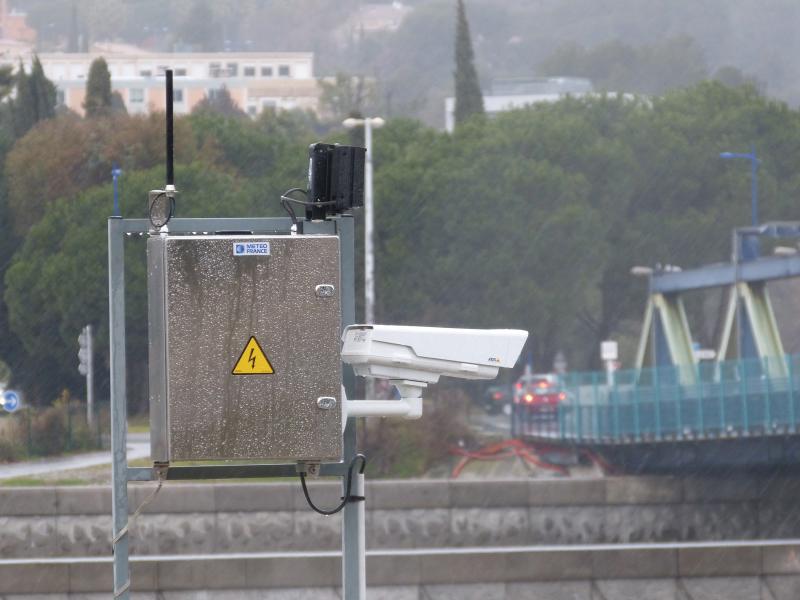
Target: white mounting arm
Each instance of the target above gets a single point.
(409, 406)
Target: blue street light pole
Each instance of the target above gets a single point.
(116, 172)
(751, 156)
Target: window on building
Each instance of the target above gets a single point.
(233, 69)
(162, 69)
(136, 95)
(180, 72)
(283, 71)
(177, 95)
(214, 70)
(60, 97)
(252, 110)
(266, 71)
(146, 73)
(249, 71)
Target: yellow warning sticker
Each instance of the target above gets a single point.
(253, 360)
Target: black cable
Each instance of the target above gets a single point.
(170, 212)
(287, 201)
(347, 497)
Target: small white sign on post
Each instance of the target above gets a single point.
(609, 350)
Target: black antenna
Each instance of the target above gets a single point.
(170, 141)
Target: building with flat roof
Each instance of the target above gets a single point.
(255, 80)
(509, 94)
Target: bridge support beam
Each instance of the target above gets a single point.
(666, 340)
(751, 319)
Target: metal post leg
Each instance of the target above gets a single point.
(119, 425)
(354, 579)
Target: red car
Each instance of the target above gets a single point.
(538, 395)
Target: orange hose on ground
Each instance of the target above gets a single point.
(501, 450)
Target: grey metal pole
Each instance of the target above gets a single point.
(753, 187)
(90, 377)
(369, 255)
(353, 526)
(119, 425)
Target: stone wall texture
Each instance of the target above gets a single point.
(427, 539)
(223, 518)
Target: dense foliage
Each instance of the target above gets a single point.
(530, 220)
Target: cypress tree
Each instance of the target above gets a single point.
(23, 107)
(35, 99)
(43, 92)
(469, 98)
(98, 100)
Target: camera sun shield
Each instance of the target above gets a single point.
(335, 179)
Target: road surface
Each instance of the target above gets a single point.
(138, 447)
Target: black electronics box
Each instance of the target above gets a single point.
(335, 176)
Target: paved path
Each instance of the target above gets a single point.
(138, 447)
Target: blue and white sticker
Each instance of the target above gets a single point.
(251, 248)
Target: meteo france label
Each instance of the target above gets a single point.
(251, 248)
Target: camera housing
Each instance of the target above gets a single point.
(423, 354)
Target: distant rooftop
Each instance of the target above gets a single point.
(540, 85)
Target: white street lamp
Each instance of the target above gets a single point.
(369, 256)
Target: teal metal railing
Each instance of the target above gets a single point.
(711, 400)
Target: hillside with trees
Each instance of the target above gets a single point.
(531, 220)
(617, 44)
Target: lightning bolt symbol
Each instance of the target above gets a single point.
(252, 358)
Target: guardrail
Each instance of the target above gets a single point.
(705, 569)
(744, 398)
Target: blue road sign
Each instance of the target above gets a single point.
(10, 400)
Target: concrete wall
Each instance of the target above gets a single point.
(736, 572)
(204, 518)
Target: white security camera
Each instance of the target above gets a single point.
(413, 357)
(417, 356)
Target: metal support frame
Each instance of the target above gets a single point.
(353, 535)
(666, 339)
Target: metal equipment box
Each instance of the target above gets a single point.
(244, 347)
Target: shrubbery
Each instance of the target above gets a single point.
(400, 448)
(55, 429)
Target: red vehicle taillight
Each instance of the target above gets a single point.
(562, 396)
(497, 396)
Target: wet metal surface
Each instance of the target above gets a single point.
(217, 300)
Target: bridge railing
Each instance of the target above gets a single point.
(754, 397)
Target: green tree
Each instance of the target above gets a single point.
(201, 28)
(35, 99)
(39, 172)
(469, 98)
(23, 107)
(345, 96)
(58, 280)
(99, 100)
(43, 92)
(221, 102)
(620, 67)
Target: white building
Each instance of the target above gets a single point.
(255, 80)
(518, 93)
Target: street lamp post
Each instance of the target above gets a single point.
(751, 156)
(369, 256)
(116, 172)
